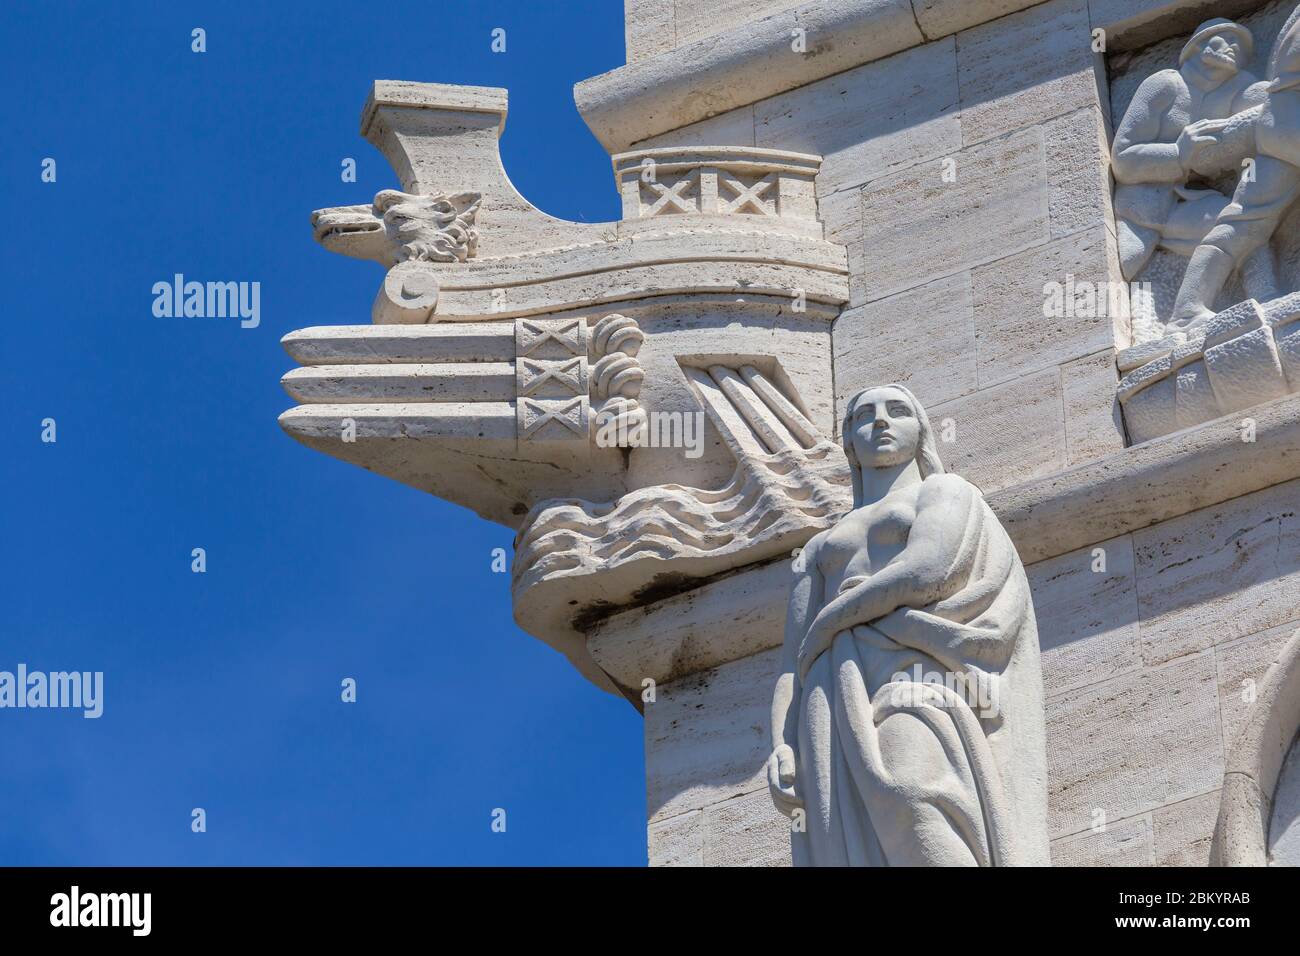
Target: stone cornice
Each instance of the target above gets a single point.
(748, 63)
(1152, 482)
(755, 60)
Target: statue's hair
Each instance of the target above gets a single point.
(927, 449)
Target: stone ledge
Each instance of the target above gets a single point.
(741, 66)
(1152, 482)
(433, 96)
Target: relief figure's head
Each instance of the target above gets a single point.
(1220, 48)
(885, 427)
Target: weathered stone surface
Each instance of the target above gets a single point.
(841, 214)
(1006, 434)
(677, 841)
(1093, 426)
(1014, 335)
(933, 228)
(1148, 396)
(741, 65)
(941, 17)
(724, 621)
(1123, 843)
(746, 831)
(1259, 780)
(1284, 825)
(1242, 665)
(706, 736)
(695, 19)
(1245, 371)
(1103, 758)
(732, 128)
(1218, 574)
(648, 28)
(866, 121)
(1185, 830)
(1086, 602)
(1026, 68)
(1078, 171)
(1239, 835)
(932, 338)
(1130, 24)
(1153, 482)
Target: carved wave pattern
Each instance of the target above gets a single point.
(767, 498)
(789, 483)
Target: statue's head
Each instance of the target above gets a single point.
(885, 426)
(1222, 48)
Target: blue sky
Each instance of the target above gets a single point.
(222, 689)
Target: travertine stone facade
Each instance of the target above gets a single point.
(818, 199)
(1184, 615)
(1015, 108)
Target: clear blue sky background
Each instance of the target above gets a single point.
(222, 689)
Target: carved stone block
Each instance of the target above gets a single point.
(550, 338)
(551, 378)
(548, 419)
(1246, 371)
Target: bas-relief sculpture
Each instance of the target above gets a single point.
(517, 362)
(1206, 164)
(907, 723)
(1165, 137)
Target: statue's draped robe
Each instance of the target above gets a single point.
(898, 773)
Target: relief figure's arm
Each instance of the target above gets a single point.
(1137, 157)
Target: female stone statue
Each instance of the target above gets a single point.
(907, 723)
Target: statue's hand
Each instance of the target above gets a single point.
(781, 780)
(1196, 138)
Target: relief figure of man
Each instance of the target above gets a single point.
(1168, 134)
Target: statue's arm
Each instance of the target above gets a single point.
(806, 596)
(1136, 156)
(917, 577)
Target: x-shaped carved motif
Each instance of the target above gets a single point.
(534, 335)
(568, 374)
(746, 196)
(568, 414)
(670, 195)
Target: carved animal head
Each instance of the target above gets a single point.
(401, 227)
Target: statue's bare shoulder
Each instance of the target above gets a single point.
(810, 552)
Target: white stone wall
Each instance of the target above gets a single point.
(657, 26)
(1147, 662)
(958, 268)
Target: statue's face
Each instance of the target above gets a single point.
(884, 430)
(1222, 53)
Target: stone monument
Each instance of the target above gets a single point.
(887, 762)
(1034, 602)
